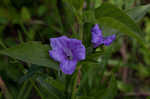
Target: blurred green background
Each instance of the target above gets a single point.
(38, 20)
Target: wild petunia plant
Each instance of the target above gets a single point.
(72, 27)
(69, 51)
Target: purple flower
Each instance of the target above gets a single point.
(67, 52)
(98, 39)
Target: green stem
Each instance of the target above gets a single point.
(79, 19)
(81, 31)
(2, 44)
(75, 85)
(74, 88)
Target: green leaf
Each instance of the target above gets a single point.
(4, 15)
(56, 83)
(53, 19)
(143, 71)
(25, 90)
(97, 3)
(124, 87)
(110, 16)
(138, 13)
(88, 16)
(128, 3)
(41, 10)
(87, 37)
(78, 4)
(111, 91)
(110, 11)
(68, 18)
(25, 14)
(31, 72)
(85, 97)
(31, 52)
(118, 3)
(51, 89)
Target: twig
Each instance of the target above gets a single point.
(79, 77)
(4, 89)
(138, 94)
(124, 55)
(38, 22)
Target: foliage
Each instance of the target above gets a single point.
(120, 70)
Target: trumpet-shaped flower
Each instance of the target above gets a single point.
(67, 52)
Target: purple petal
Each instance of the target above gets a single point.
(97, 37)
(57, 55)
(96, 29)
(58, 45)
(68, 66)
(97, 44)
(78, 49)
(59, 42)
(108, 40)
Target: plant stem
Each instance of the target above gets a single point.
(4, 89)
(80, 25)
(81, 31)
(80, 22)
(79, 19)
(75, 84)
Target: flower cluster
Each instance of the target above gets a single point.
(98, 39)
(68, 51)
